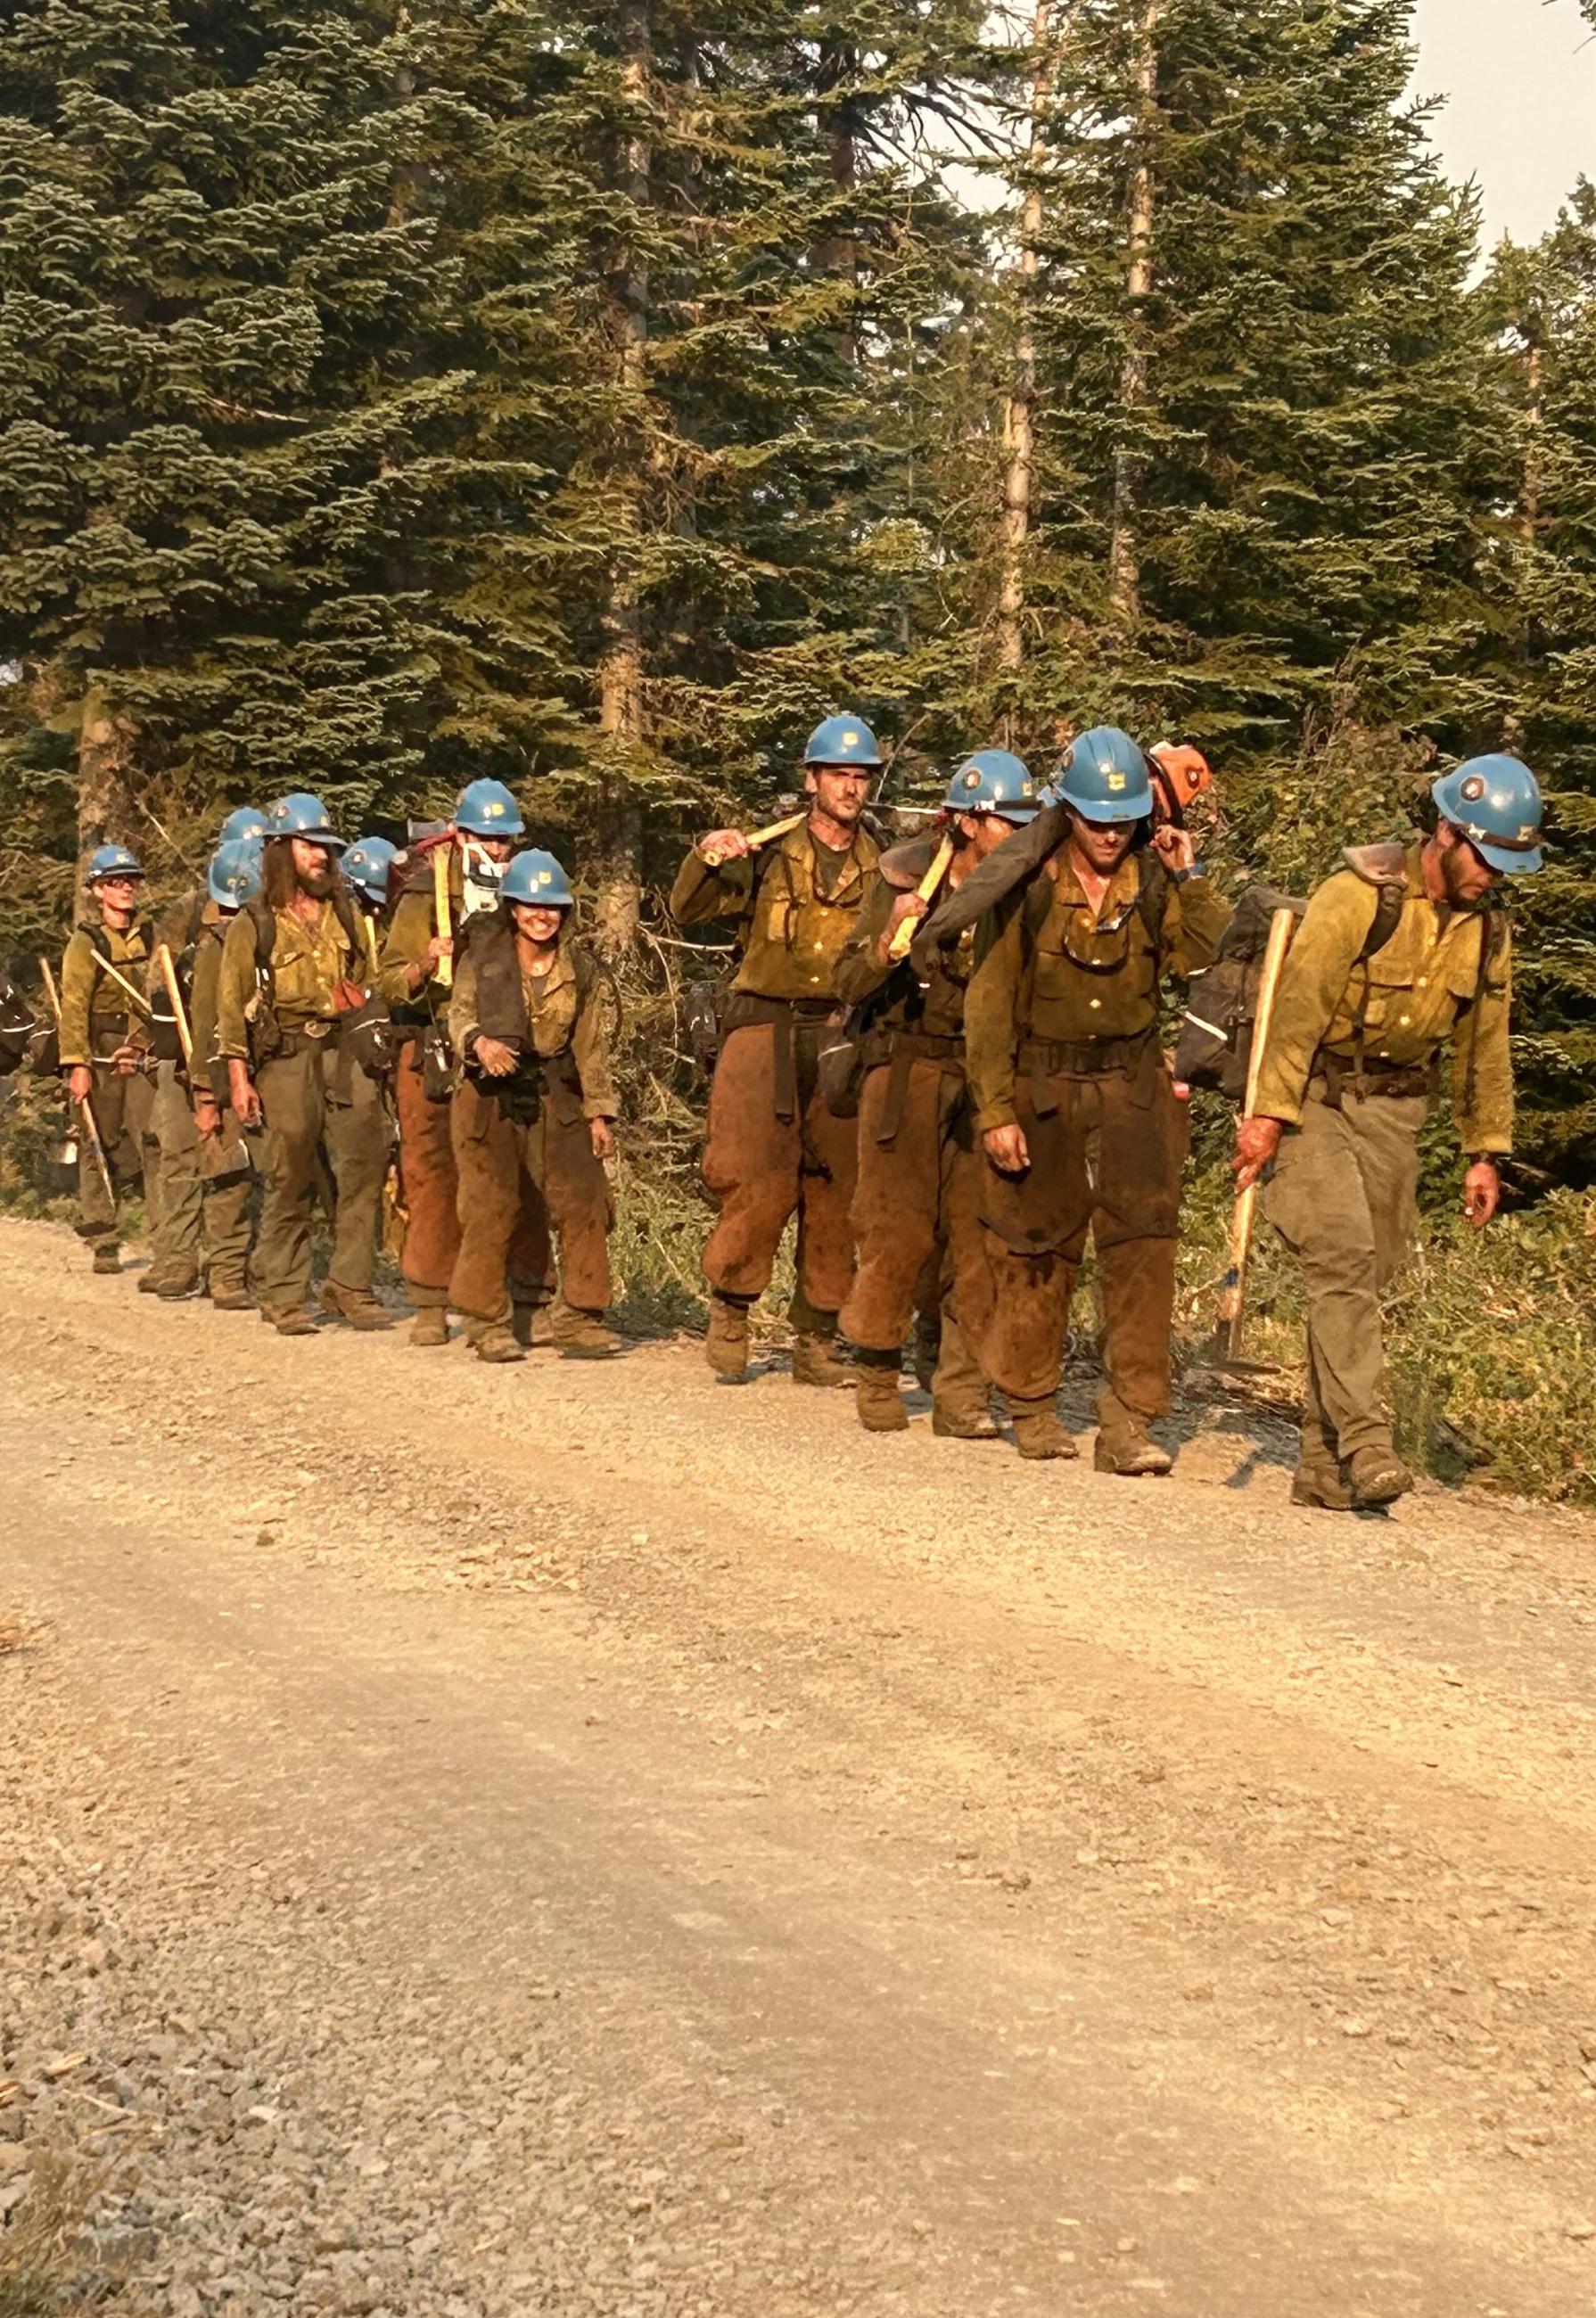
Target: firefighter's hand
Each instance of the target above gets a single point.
(241, 1088)
(440, 946)
(207, 1115)
(494, 1056)
(724, 845)
(907, 906)
(1256, 1141)
(126, 1060)
(1482, 1193)
(1007, 1148)
(603, 1135)
(1173, 847)
(80, 1082)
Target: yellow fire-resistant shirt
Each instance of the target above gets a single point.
(96, 1012)
(795, 903)
(310, 959)
(1423, 988)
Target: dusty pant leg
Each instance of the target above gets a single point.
(534, 1277)
(827, 1179)
(1033, 1233)
(427, 1171)
(488, 1161)
(576, 1194)
(179, 1238)
(228, 1219)
(894, 1214)
(1317, 1200)
(290, 1090)
(1137, 1278)
(355, 1131)
(139, 1127)
(750, 1164)
(96, 1210)
(1144, 1131)
(967, 1274)
(1023, 1351)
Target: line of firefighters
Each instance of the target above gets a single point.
(943, 1058)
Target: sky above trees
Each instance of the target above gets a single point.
(1520, 79)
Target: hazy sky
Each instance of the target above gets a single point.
(1520, 78)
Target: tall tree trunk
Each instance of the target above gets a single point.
(1514, 724)
(841, 253)
(620, 671)
(1124, 573)
(1019, 409)
(105, 776)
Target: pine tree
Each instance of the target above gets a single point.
(1259, 438)
(1542, 302)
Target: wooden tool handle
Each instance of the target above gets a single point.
(179, 1012)
(766, 836)
(49, 989)
(138, 997)
(444, 972)
(903, 933)
(1232, 1297)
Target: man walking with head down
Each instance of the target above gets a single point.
(1398, 954)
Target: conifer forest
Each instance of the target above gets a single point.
(596, 395)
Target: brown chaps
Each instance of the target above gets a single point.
(427, 1176)
(522, 1186)
(760, 1169)
(916, 1208)
(1107, 1154)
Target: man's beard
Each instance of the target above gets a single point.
(316, 882)
(1454, 870)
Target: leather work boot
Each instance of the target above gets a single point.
(179, 1280)
(289, 1319)
(231, 1296)
(430, 1325)
(358, 1305)
(956, 1420)
(1320, 1485)
(152, 1282)
(582, 1335)
(878, 1398)
(108, 1255)
(1131, 1451)
(496, 1342)
(1038, 1432)
(726, 1340)
(1377, 1477)
(815, 1362)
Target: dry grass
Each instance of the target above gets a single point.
(49, 2267)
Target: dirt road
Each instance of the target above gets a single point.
(580, 1838)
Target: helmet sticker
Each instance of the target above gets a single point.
(1473, 787)
(972, 779)
(1116, 781)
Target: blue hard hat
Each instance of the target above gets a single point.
(487, 809)
(112, 861)
(843, 740)
(244, 820)
(233, 878)
(1496, 803)
(1105, 777)
(300, 814)
(995, 781)
(365, 865)
(538, 879)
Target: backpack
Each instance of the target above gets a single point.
(1215, 1049)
